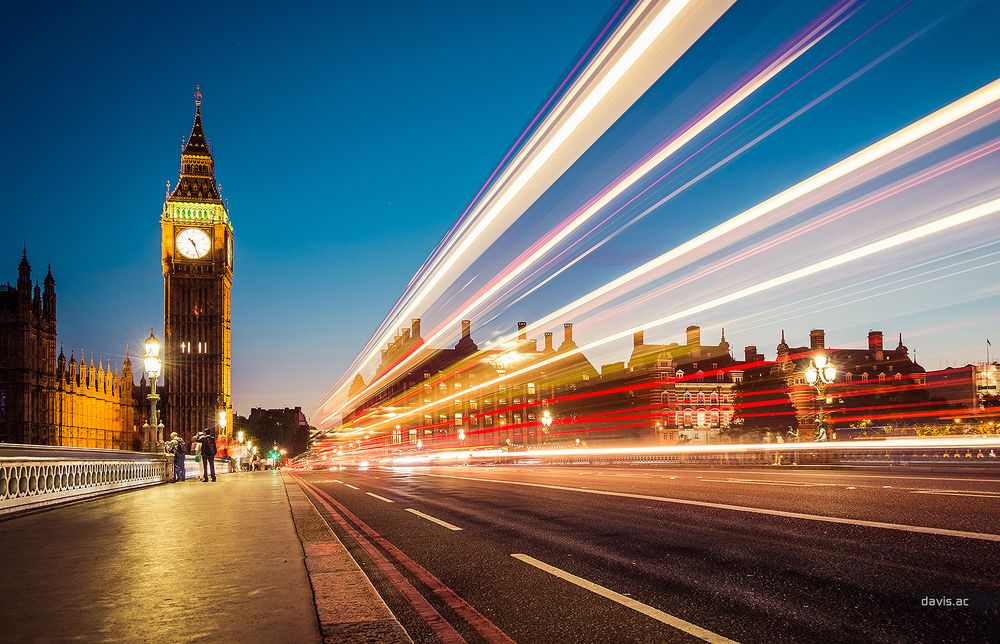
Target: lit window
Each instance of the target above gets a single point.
(458, 419)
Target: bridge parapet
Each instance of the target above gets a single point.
(30, 481)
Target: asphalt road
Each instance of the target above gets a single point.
(564, 554)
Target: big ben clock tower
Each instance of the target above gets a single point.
(197, 283)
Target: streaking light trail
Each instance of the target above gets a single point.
(668, 149)
(651, 39)
(942, 224)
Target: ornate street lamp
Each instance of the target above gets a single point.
(153, 365)
(546, 420)
(819, 374)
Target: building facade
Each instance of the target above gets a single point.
(873, 385)
(46, 399)
(197, 255)
(677, 393)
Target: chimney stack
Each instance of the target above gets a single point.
(568, 333)
(415, 328)
(817, 339)
(548, 342)
(406, 334)
(521, 333)
(874, 341)
(694, 336)
(750, 353)
(637, 339)
(466, 328)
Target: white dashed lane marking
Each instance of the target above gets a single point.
(670, 620)
(445, 524)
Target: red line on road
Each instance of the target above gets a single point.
(445, 631)
(490, 631)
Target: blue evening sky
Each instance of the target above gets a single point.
(348, 136)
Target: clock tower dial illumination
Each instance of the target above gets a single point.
(193, 243)
(196, 242)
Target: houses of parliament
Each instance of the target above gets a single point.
(47, 398)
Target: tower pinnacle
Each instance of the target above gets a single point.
(197, 182)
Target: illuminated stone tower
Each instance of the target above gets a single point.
(197, 285)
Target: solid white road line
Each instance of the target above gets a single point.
(647, 610)
(337, 481)
(380, 498)
(983, 536)
(450, 526)
(351, 486)
(752, 482)
(843, 474)
(987, 495)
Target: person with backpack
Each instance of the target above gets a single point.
(208, 450)
(176, 447)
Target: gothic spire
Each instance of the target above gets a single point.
(197, 182)
(197, 143)
(24, 273)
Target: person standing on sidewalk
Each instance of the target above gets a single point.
(176, 447)
(208, 449)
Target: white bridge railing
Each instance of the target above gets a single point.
(36, 476)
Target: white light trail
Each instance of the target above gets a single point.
(617, 189)
(944, 117)
(660, 38)
(919, 232)
(891, 444)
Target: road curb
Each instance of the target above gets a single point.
(347, 605)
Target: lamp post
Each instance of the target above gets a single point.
(240, 437)
(499, 364)
(546, 422)
(819, 374)
(153, 365)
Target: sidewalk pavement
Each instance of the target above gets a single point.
(219, 562)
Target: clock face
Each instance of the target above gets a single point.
(193, 243)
